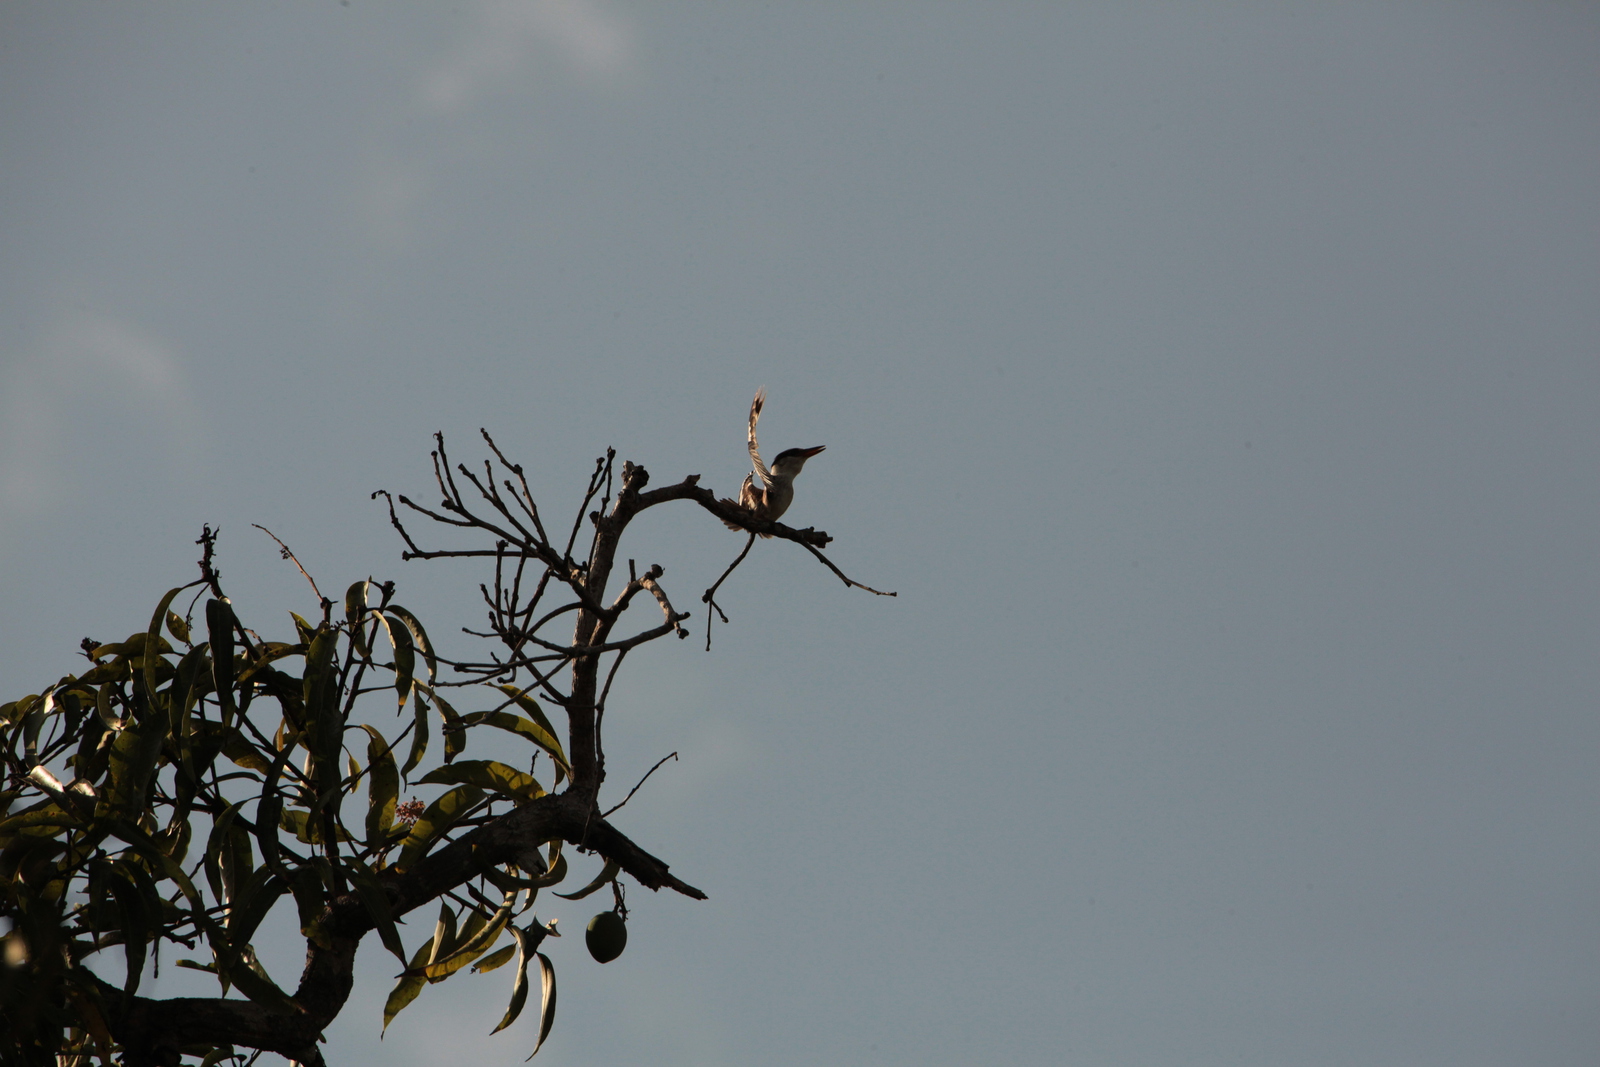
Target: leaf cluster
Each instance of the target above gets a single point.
(189, 779)
(195, 776)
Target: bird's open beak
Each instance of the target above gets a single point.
(809, 452)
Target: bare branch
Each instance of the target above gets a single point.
(292, 558)
(710, 595)
(635, 789)
(846, 580)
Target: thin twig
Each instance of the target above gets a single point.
(289, 555)
(635, 789)
(709, 596)
(846, 580)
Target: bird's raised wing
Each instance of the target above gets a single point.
(755, 449)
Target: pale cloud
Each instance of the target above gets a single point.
(500, 46)
(505, 40)
(88, 370)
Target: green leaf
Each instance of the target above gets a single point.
(606, 875)
(420, 636)
(304, 629)
(219, 631)
(444, 934)
(405, 657)
(268, 810)
(506, 720)
(52, 816)
(355, 610)
(251, 902)
(215, 844)
(133, 759)
(321, 695)
(238, 748)
(410, 984)
(307, 826)
(497, 958)
(536, 713)
(133, 918)
(383, 787)
(556, 873)
(254, 982)
(519, 984)
(160, 614)
(547, 1005)
(474, 943)
(419, 736)
(488, 774)
(309, 901)
(435, 820)
(453, 729)
(177, 627)
(151, 852)
(376, 901)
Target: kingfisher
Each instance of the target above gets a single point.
(772, 497)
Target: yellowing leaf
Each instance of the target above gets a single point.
(489, 774)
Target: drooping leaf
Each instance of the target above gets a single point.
(376, 901)
(489, 774)
(215, 845)
(444, 933)
(51, 816)
(238, 748)
(306, 632)
(519, 984)
(355, 609)
(219, 631)
(151, 852)
(410, 984)
(506, 720)
(251, 902)
(478, 936)
(420, 636)
(254, 982)
(268, 810)
(453, 729)
(383, 787)
(419, 736)
(134, 920)
(435, 820)
(307, 826)
(497, 958)
(177, 627)
(45, 779)
(405, 656)
(531, 707)
(133, 759)
(321, 695)
(309, 900)
(556, 872)
(606, 875)
(152, 664)
(160, 614)
(547, 1006)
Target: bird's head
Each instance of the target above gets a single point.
(790, 460)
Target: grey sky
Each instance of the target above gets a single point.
(1216, 383)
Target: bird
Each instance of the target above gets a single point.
(772, 497)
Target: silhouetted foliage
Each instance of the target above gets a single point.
(197, 775)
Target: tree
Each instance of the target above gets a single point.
(187, 782)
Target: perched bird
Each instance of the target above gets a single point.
(771, 498)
